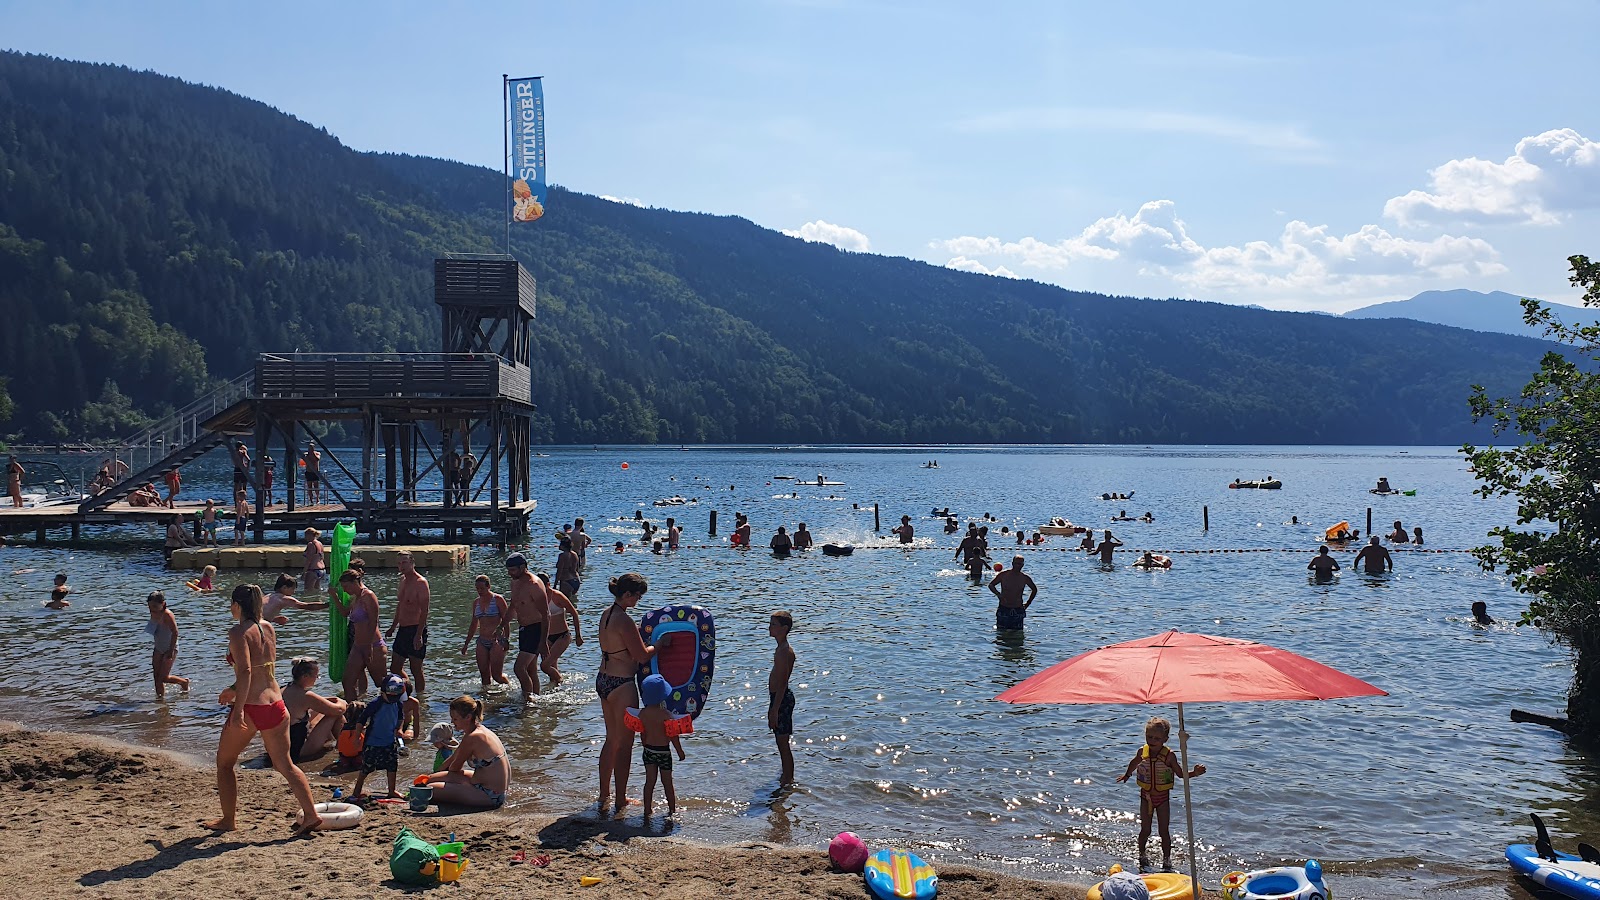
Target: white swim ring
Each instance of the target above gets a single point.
(337, 816)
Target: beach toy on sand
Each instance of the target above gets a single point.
(336, 816)
(419, 797)
(590, 880)
(1161, 885)
(896, 874)
(1280, 883)
(848, 851)
(451, 866)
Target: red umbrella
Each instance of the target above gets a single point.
(1178, 667)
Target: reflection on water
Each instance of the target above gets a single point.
(897, 734)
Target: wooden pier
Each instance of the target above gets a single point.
(292, 558)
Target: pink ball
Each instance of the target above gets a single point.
(848, 852)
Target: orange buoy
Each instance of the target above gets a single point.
(624, 465)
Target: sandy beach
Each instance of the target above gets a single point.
(85, 816)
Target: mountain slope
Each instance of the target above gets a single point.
(1495, 311)
(156, 235)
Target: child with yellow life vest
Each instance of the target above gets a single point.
(1157, 767)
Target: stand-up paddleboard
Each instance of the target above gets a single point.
(1567, 875)
(900, 875)
(687, 661)
(344, 537)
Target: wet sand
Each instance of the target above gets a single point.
(84, 816)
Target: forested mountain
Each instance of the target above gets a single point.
(1494, 311)
(155, 235)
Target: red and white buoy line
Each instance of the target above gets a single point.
(637, 547)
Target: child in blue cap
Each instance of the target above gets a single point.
(657, 754)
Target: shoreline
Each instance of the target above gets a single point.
(92, 813)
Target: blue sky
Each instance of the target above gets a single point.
(1295, 156)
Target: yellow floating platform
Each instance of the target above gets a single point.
(292, 557)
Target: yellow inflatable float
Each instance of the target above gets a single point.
(1162, 885)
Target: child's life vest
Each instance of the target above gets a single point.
(1164, 777)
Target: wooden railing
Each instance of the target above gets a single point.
(375, 376)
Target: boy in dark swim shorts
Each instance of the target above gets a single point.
(383, 721)
(658, 745)
(780, 704)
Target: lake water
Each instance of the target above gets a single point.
(897, 734)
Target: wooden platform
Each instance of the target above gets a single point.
(292, 558)
(278, 519)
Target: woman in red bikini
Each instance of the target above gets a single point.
(255, 704)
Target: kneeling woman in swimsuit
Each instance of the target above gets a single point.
(491, 621)
(622, 652)
(314, 719)
(478, 773)
(255, 704)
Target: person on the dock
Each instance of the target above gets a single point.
(282, 598)
(469, 468)
(409, 629)
(366, 644)
(208, 522)
(531, 607)
(1323, 565)
(478, 773)
(490, 624)
(59, 593)
(255, 704)
(241, 467)
(1399, 534)
(269, 474)
(177, 538)
(382, 750)
(781, 544)
(568, 566)
(241, 516)
(14, 473)
(145, 497)
(311, 461)
(1375, 557)
(174, 483)
(313, 718)
(559, 635)
(802, 538)
(1156, 766)
(1007, 587)
(780, 698)
(1107, 546)
(905, 530)
(657, 746)
(622, 652)
(316, 565)
(163, 628)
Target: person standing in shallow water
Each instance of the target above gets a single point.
(622, 652)
(1107, 547)
(1007, 587)
(780, 698)
(1376, 558)
(255, 705)
(1323, 565)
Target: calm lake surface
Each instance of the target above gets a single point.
(897, 734)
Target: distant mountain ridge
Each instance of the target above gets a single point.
(1496, 311)
(156, 235)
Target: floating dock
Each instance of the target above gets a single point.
(292, 558)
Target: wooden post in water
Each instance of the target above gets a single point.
(713, 523)
(1205, 518)
(876, 526)
(1369, 521)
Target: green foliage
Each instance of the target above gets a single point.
(1552, 553)
(7, 408)
(159, 234)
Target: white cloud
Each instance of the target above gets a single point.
(829, 233)
(962, 264)
(1304, 260)
(1547, 176)
(1268, 135)
(630, 201)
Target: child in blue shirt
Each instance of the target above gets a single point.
(383, 721)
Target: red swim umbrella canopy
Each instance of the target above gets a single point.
(1179, 667)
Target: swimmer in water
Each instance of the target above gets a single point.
(1107, 547)
(1007, 587)
(58, 594)
(1480, 614)
(1323, 565)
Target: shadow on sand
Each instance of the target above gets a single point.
(169, 856)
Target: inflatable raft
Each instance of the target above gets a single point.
(1161, 885)
(344, 538)
(689, 657)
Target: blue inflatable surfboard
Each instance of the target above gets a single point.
(689, 657)
(900, 875)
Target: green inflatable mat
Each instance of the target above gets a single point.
(344, 538)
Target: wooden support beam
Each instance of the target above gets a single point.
(263, 432)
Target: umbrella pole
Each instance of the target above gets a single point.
(1188, 807)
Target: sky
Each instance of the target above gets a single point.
(1293, 156)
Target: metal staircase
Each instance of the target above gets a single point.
(180, 438)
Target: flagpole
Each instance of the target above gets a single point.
(505, 150)
(1188, 807)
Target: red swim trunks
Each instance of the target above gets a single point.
(266, 716)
